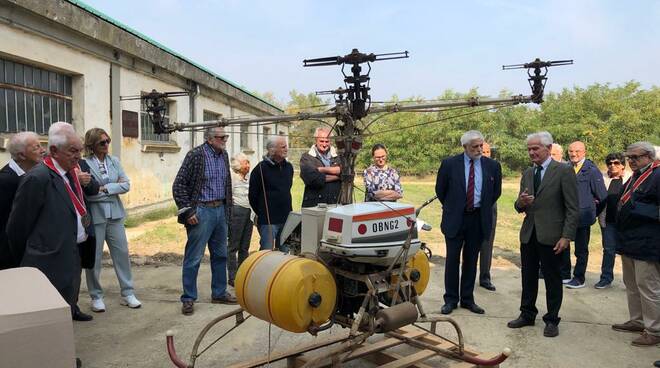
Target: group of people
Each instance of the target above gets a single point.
(560, 201)
(60, 207)
(221, 199)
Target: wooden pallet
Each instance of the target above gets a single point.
(375, 352)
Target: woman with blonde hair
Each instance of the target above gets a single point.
(108, 215)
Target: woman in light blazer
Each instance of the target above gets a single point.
(108, 215)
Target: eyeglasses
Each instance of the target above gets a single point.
(105, 142)
(634, 157)
(223, 137)
(608, 163)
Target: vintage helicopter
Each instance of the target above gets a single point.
(361, 266)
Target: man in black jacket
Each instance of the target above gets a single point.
(319, 170)
(270, 192)
(49, 226)
(25, 151)
(202, 193)
(638, 226)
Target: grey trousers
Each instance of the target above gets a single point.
(642, 280)
(113, 233)
(241, 234)
(486, 252)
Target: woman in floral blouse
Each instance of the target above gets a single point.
(381, 181)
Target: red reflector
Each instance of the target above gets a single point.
(362, 229)
(335, 224)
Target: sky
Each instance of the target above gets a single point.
(455, 45)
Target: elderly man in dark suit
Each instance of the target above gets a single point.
(548, 198)
(25, 151)
(49, 226)
(468, 185)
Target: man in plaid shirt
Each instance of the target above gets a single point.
(202, 192)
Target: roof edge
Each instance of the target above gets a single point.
(82, 5)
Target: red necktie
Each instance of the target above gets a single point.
(470, 188)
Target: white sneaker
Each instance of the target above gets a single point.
(98, 306)
(130, 301)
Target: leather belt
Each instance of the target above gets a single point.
(471, 211)
(216, 203)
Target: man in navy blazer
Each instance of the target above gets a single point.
(468, 185)
(592, 195)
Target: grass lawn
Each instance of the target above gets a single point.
(416, 191)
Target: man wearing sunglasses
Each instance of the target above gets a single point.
(202, 192)
(616, 168)
(638, 226)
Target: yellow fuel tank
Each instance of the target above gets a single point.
(292, 292)
(418, 270)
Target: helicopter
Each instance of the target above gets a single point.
(361, 266)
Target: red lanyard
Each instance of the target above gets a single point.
(631, 188)
(78, 202)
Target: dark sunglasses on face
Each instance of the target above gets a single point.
(223, 137)
(104, 142)
(608, 163)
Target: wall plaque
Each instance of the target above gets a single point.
(129, 124)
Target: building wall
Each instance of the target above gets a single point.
(151, 166)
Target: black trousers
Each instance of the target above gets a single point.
(241, 234)
(468, 243)
(531, 254)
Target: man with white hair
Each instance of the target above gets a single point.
(638, 226)
(468, 185)
(557, 153)
(25, 151)
(270, 192)
(548, 197)
(49, 225)
(319, 170)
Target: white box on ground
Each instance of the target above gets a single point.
(35, 322)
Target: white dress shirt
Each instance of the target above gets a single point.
(81, 234)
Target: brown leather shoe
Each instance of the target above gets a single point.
(646, 339)
(188, 308)
(629, 326)
(225, 299)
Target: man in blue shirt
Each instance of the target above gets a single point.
(468, 185)
(202, 192)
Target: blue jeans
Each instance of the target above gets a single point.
(609, 249)
(211, 229)
(267, 234)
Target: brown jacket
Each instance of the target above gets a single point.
(554, 212)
